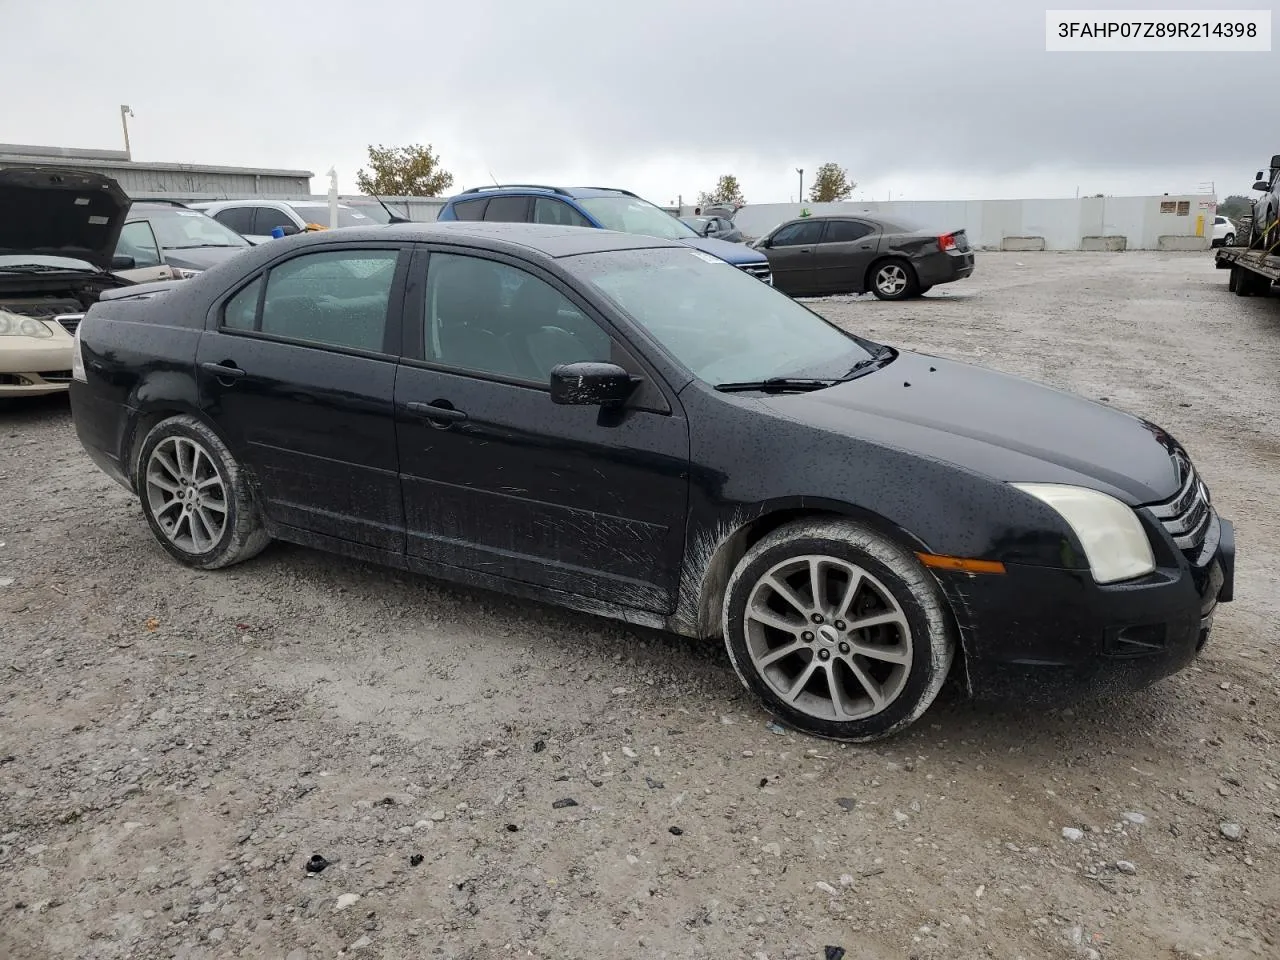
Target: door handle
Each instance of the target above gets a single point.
(223, 371)
(440, 416)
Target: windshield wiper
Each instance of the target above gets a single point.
(43, 268)
(201, 246)
(873, 362)
(775, 383)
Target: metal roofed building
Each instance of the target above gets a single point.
(173, 181)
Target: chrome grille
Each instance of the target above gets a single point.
(70, 321)
(1187, 515)
(761, 271)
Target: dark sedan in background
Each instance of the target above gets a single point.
(623, 425)
(895, 260)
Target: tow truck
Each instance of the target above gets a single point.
(1255, 266)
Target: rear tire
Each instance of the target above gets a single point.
(838, 630)
(1229, 240)
(196, 497)
(894, 280)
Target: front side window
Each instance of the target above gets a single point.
(798, 234)
(188, 229)
(718, 321)
(496, 319)
(546, 210)
(239, 219)
(266, 219)
(507, 210)
(335, 297)
(137, 241)
(633, 215)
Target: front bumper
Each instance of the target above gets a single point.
(32, 367)
(1041, 634)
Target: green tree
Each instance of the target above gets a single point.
(831, 182)
(412, 171)
(726, 190)
(1235, 207)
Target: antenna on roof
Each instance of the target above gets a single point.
(494, 179)
(394, 217)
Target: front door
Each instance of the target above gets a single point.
(790, 254)
(499, 480)
(299, 375)
(843, 255)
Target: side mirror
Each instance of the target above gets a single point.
(590, 384)
(122, 262)
(1262, 185)
(1259, 175)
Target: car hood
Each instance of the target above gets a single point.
(1000, 426)
(59, 212)
(735, 253)
(201, 258)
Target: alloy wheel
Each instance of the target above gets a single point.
(187, 494)
(828, 637)
(891, 280)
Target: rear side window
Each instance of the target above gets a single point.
(267, 219)
(546, 210)
(470, 209)
(336, 297)
(239, 219)
(508, 210)
(795, 234)
(844, 231)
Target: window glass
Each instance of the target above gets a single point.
(546, 210)
(319, 213)
(508, 210)
(845, 231)
(336, 297)
(470, 209)
(188, 229)
(497, 319)
(137, 241)
(798, 234)
(239, 219)
(267, 219)
(241, 311)
(633, 215)
(682, 297)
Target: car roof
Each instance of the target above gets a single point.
(535, 189)
(550, 240)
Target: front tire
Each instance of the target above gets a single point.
(196, 497)
(1229, 240)
(894, 280)
(838, 630)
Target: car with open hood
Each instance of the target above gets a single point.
(634, 428)
(58, 231)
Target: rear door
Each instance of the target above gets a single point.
(298, 371)
(138, 241)
(790, 253)
(842, 257)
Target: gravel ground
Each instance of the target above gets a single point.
(175, 745)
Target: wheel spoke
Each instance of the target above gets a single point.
(867, 682)
(212, 527)
(781, 588)
(816, 587)
(168, 463)
(209, 482)
(851, 592)
(770, 619)
(165, 508)
(887, 654)
(876, 620)
(199, 531)
(773, 656)
(798, 687)
(156, 479)
(833, 688)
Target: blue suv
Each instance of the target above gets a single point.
(599, 207)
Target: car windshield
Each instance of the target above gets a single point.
(633, 215)
(187, 229)
(10, 261)
(721, 323)
(347, 217)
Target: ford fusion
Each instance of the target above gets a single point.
(626, 426)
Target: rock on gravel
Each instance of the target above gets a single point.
(1074, 834)
(1232, 831)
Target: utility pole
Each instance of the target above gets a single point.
(126, 112)
(800, 195)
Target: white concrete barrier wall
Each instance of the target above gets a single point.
(1063, 224)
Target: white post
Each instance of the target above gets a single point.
(126, 112)
(333, 199)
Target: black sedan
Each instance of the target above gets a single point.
(626, 426)
(895, 260)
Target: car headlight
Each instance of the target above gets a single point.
(16, 325)
(1114, 542)
(183, 273)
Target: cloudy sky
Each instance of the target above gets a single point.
(927, 99)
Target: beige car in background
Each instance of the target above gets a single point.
(58, 231)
